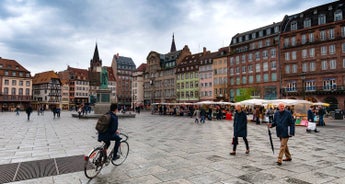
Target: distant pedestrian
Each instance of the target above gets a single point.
(54, 111)
(321, 114)
(202, 115)
(17, 111)
(197, 115)
(28, 111)
(58, 111)
(240, 129)
(283, 121)
(311, 119)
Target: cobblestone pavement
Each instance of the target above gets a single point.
(174, 150)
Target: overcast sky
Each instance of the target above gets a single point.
(47, 35)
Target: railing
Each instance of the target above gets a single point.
(15, 98)
(317, 89)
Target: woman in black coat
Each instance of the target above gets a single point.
(240, 129)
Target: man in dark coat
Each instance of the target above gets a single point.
(311, 118)
(28, 111)
(283, 120)
(112, 131)
(240, 129)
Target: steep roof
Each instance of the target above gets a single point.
(142, 67)
(11, 65)
(78, 73)
(125, 61)
(173, 45)
(44, 77)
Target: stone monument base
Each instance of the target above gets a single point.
(102, 108)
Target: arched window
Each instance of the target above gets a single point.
(338, 15)
(13, 91)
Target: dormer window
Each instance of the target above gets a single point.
(307, 22)
(322, 19)
(338, 15)
(293, 25)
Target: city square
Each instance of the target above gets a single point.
(172, 149)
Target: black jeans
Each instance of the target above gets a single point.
(117, 140)
(235, 143)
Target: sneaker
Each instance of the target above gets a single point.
(287, 159)
(233, 153)
(279, 163)
(117, 157)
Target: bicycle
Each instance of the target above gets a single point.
(96, 159)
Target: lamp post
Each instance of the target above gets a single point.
(303, 87)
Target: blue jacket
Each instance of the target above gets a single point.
(110, 133)
(282, 121)
(240, 124)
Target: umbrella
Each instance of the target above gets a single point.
(270, 136)
(321, 104)
(253, 102)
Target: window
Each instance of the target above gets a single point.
(14, 82)
(343, 31)
(260, 44)
(257, 55)
(311, 37)
(250, 68)
(20, 92)
(329, 84)
(286, 42)
(307, 22)
(324, 65)
(312, 66)
(258, 78)
(304, 53)
(257, 67)
(294, 68)
(312, 52)
(343, 47)
(287, 56)
(274, 76)
(332, 64)
(244, 80)
(244, 69)
(243, 58)
(291, 86)
(265, 54)
(250, 57)
(13, 91)
(273, 53)
(322, 19)
(273, 65)
(304, 39)
(323, 35)
(231, 60)
(253, 35)
(265, 66)
(338, 15)
(7, 82)
(331, 34)
(310, 85)
(293, 25)
(323, 50)
(304, 67)
(287, 69)
(331, 49)
(268, 31)
(293, 41)
(266, 77)
(344, 63)
(293, 55)
(6, 90)
(268, 42)
(27, 83)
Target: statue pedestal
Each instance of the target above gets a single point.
(103, 101)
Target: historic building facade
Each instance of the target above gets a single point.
(15, 85)
(46, 90)
(138, 86)
(312, 48)
(253, 63)
(123, 69)
(220, 73)
(160, 75)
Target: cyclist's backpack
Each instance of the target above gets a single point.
(103, 123)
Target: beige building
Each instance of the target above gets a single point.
(220, 73)
(15, 85)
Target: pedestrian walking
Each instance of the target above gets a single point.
(197, 115)
(321, 114)
(17, 111)
(202, 115)
(240, 129)
(311, 120)
(285, 128)
(28, 111)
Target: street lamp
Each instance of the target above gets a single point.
(303, 87)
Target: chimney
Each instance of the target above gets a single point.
(204, 51)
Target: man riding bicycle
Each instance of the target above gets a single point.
(112, 132)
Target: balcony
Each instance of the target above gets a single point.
(15, 98)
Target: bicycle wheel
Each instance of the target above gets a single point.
(93, 163)
(123, 152)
